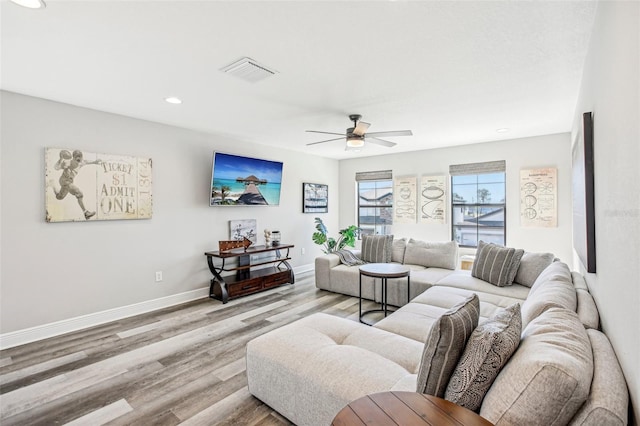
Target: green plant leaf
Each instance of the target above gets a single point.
(319, 238)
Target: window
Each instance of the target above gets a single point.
(478, 203)
(375, 202)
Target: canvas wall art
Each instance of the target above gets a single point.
(404, 200)
(583, 194)
(433, 199)
(539, 198)
(315, 198)
(82, 186)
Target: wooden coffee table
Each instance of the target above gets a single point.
(406, 408)
(382, 271)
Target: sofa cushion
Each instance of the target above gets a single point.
(608, 399)
(397, 250)
(377, 248)
(463, 279)
(553, 288)
(495, 264)
(444, 345)
(300, 368)
(432, 254)
(348, 258)
(531, 265)
(587, 309)
(413, 320)
(489, 348)
(548, 378)
(446, 297)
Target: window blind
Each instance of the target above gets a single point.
(478, 168)
(379, 175)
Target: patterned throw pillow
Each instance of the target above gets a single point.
(348, 258)
(444, 346)
(377, 248)
(495, 264)
(489, 348)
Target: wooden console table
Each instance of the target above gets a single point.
(247, 280)
(406, 408)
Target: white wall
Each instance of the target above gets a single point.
(536, 152)
(611, 90)
(56, 271)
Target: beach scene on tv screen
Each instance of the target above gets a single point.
(237, 180)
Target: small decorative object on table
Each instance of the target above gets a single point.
(232, 244)
(275, 238)
(267, 238)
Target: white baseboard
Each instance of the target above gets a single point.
(45, 331)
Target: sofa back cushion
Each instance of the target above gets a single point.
(432, 254)
(548, 378)
(489, 348)
(377, 248)
(398, 248)
(531, 265)
(495, 264)
(553, 288)
(444, 345)
(608, 400)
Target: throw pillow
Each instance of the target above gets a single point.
(531, 265)
(348, 258)
(489, 348)
(495, 264)
(515, 265)
(432, 254)
(377, 248)
(444, 346)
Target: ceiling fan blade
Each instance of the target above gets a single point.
(361, 128)
(391, 133)
(380, 141)
(326, 133)
(328, 140)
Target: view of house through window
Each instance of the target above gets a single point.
(478, 203)
(375, 202)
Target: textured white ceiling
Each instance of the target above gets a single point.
(453, 72)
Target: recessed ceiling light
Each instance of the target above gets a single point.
(502, 130)
(31, 4)
(173, 100)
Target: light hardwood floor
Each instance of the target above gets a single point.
(182, 365)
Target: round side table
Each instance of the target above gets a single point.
(383, 271)
(406, 408)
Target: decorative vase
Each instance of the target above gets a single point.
(275, 238)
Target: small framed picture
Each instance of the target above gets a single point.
(315, 198)
(239, 229)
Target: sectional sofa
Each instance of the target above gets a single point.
(564, 371)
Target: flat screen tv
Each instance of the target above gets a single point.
(244, 181)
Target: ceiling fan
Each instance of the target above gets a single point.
(357, 135)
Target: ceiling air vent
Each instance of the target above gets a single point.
(249, 70)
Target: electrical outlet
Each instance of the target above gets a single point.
(302, 250)
(158, 276)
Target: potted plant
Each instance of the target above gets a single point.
(329, 244)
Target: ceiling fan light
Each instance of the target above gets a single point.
(355, 142)
(31, 4)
